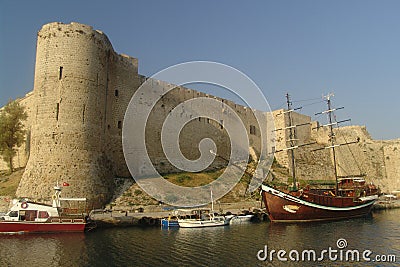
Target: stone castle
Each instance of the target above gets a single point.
(82, 88)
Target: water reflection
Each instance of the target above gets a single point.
(235, 245)
(42, 250)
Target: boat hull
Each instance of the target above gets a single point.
(282, 207)
(168, 223)
(189, 223)
(41, 227)
(241, 219)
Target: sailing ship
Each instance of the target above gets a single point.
(352, 196)
(32, 217)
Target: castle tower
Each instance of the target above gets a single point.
(68, 132)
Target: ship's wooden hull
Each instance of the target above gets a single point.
(283, 207)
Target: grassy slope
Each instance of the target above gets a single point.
(193, 179)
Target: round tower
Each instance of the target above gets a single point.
(68, 129)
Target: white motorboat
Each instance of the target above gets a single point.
(206, 220)
(32, 217)
(240, 218)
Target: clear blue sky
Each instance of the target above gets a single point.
(306, 48)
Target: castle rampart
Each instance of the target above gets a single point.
(81, 90)
(71, 95)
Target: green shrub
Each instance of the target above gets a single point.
(138, 192)
(182, 178)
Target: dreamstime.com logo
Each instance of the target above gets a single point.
(154, 89)
(340, 253)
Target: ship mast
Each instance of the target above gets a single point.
(331, 135)
(332, 138)
(291, 140)
(292, 137)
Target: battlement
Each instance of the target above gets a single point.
(74, 30)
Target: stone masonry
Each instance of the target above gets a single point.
(81, 90)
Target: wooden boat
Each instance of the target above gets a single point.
(350, 198)
(31, 217)
(311, 205)
(206, 220)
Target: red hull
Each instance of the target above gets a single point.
(41, 227)
(282, 207)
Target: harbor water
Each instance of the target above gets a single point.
(247, 244)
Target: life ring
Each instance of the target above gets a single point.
(24, 205)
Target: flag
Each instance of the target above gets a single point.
(65, 184)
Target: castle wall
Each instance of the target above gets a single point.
(378, 160)
(123, 81)
(76, 110)
(196, 130)
(67, 133)
(391, 166)
(302, 135)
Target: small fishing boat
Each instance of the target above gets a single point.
(32, 217)
(205, 218)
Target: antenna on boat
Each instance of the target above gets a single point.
(56, 196)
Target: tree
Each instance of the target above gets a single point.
(12, 132)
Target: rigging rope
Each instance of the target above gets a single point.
(348, 147)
